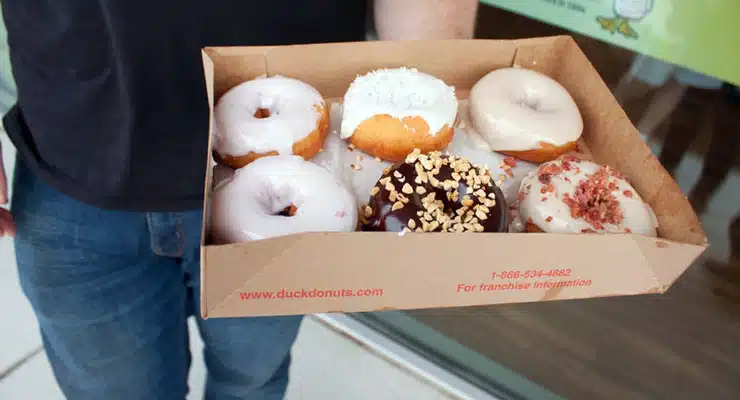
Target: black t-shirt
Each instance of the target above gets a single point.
(112, 107)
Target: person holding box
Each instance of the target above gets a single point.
(111, 130)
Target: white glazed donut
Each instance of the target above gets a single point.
(390, 112)
(570, 195)
(269, 116)
(525, 114)
(249, 206)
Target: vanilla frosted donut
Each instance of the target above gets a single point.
(525, 114)
(277, 196)
(390, 112)
(269, 116)
(570, 195)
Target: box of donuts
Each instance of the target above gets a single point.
(376, 176)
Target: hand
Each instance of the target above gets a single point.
(7, 226)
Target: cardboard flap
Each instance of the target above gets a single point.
(232, 66)
(535, 264)
(331, 68)
(241, 264)
(667, 259)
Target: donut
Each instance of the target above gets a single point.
(570, 195)
(277, 196)
(435, 193)
(390, 112)
(269, 116)
(525, 114)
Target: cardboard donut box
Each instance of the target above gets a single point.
(375, 271)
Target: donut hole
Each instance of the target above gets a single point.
(262, 113)
(288, 211)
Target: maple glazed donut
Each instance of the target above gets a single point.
(280, 195)
(269, 116)
(435, 193)
(390, 112)
(569, 195)
(525, 114)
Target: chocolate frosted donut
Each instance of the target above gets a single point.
(435, 193)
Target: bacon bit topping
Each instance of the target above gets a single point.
(588, 230)
(548, 188)
(627, 230)
(594, 202)
(510, 161)
(546, 171)
(548, 219)
(628, 193)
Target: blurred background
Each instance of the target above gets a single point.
(673, 66)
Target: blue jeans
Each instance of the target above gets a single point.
(112, 291)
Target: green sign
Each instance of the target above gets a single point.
(703, 35)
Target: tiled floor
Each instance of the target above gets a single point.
(327, 365)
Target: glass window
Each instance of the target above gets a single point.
(682, 344)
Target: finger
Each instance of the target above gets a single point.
(7, 225)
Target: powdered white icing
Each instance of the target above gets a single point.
(515, 109)
(399, 92)
(293, 116)
(638, 216)
(246, 207)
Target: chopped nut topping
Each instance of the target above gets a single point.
(393, 196)
(402, 198)
(397, 174)
(412, 224)
(433, 181)
(411, 158)
(397, 206)
(389, 187)
(420, 190)
(368, 211)
(428, 165)
(481, 215)
(407, 188)
(467, 201)
(385, 180)
(374, 191)
(433, 225)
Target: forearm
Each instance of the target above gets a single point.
(425, 19)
